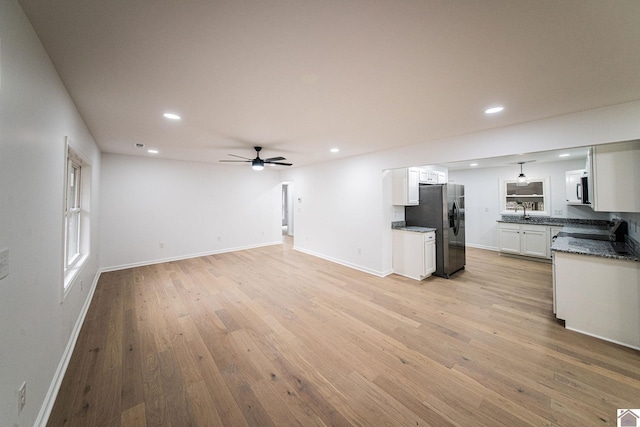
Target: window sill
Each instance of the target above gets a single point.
(72, 273)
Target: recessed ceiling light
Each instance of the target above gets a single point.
(172, 116)
(152, 151)
(334, 150)
(493, 110)
(473, 164)
(564, 155)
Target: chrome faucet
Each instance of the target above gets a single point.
(524, 209)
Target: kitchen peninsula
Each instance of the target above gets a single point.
(597, 284)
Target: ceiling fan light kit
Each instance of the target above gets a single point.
(257, 164)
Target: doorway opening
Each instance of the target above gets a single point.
(287, 209)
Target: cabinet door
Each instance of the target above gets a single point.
(573, 183)
(535, 241)
(413, 186)
(615, 174)
(509, 239)
(429, 254)
(405, 190)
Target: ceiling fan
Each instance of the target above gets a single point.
(258, 163)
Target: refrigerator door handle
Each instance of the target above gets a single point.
(455, 219)
(452, 216)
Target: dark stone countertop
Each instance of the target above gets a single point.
(402, 226)
(553, 221)
(594, 241)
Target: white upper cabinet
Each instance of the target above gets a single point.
(573, 186)
(405, 186)
(615, 177)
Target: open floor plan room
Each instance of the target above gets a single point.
(272, 336)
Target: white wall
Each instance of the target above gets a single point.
(482, 197)
(337, 217)
(191, 208)
(36, 114)
(333, 204)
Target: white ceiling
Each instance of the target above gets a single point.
(299, 77)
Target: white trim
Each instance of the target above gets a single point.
(603, 338)
(346, 264)
(54, 387)
(489, 248)
(71, 273)
(546, 197)
(181, 257)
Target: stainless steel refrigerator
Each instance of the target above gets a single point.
(442, 207)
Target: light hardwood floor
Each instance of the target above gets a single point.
(272, 336)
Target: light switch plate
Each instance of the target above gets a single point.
(4, 263)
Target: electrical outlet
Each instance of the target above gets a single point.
(22, 397)
(161, 245)
(81, 283)
(359, 251)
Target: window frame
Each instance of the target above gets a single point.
(73, 208)
(546, 197)
(76, 203)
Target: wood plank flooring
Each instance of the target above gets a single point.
(275, 337)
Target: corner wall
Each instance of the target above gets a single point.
(188, 208)
(36, 113)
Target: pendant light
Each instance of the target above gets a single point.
(522, 179)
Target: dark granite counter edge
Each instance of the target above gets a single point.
(596, 248)
(552, 221)
(402, 226)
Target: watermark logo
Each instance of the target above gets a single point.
(628, 417)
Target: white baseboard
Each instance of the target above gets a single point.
(341, 262)
(181, 257)
(489, 248)
(603, 338)
(54, 387)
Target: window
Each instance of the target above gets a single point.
(533, 197)
(76, 215)
(72, 213)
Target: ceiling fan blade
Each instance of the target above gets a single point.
(234, 161)
(246, 158)
(279, 163)
(274, 159)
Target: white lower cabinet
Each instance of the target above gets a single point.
(598, 296)
(414, 254)
(524, 239)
